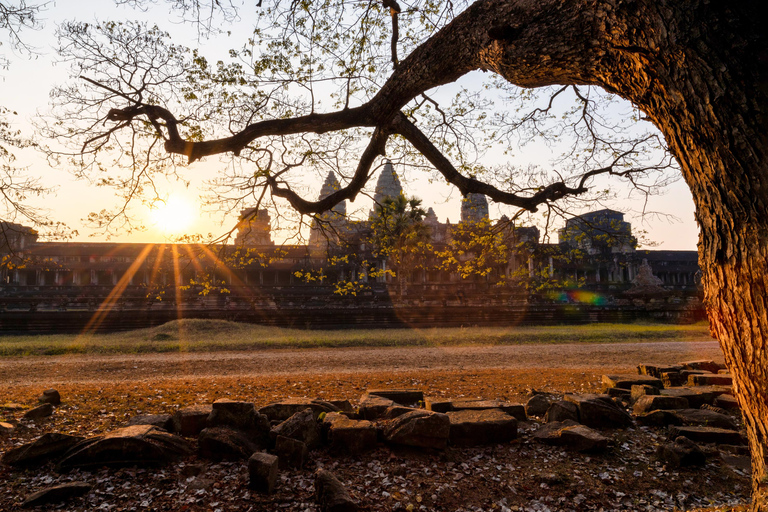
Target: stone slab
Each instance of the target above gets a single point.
(626, 381)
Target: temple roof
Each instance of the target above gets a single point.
(331, 185)
(388, 184)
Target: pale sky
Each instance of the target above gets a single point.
(26, 85)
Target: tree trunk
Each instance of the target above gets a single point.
(697, 68)
(705, 94)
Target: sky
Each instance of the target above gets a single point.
(26, 85)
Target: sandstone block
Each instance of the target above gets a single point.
(626, 381)
(331, 495)
(702, 364)
(350, 436)
(696, 396)
(50, 396)
(163, 421)
(302, 426)
(639, 390)
(262, 472)
(56, 494)
(489, 426)
(281, 411)
(561, 411)
(538, 404)
(572, 436)
(710, 380)
(600, 411)
(681, 453)
(421, 429)
(45, 448)
(649, 403)
(656, 370)
(190, 421)
(727, 402)
(707, 435)
(39, 412)
(408, 397)
(222, 443)
(705, 418)
(439, 405)
(291, 453)
(373, 407)
(127, 446)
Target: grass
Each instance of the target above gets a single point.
(212, 335)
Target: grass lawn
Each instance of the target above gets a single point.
(211, 335)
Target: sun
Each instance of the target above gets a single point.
(173, 216)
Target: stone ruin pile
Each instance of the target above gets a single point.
(691, 400)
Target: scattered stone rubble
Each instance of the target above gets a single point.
(701, 420)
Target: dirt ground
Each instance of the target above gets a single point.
(103, 392)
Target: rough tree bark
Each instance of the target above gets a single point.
(697, 68)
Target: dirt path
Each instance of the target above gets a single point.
(142, 367)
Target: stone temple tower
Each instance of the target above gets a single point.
(388, 185)
(253, 228)
(331, 185)
(320, 237)
(474, 208)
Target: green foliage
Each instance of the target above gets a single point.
(476, 249)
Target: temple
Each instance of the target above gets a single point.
(347, 261)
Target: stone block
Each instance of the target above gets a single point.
(373, 407)
(302, 426)
(163, 421)
(710, 380)
(439, 405)
(6, 428)
(222, 443)
(639, 390)
(262, 472)
(44, 449)
(190, 421)
(331, 495)
(571, 435)
(350, 436)
(291, 453)
(681, 453)
(407, 397)
(281, 411)
(561, 411)
(422, 429)
(707, 435)
(515, 410)
(39, 412)
(671, 379)
(140, 445)
(658, 418)
(626, 381)
(696, 396)
(650, 403)
(50, 396)
(475, 427)
(538, 404)
(703, 364)
(705, 418)
(600, 411)
(241, 416)
(727, 402)
(656, 370)
(56, 494)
